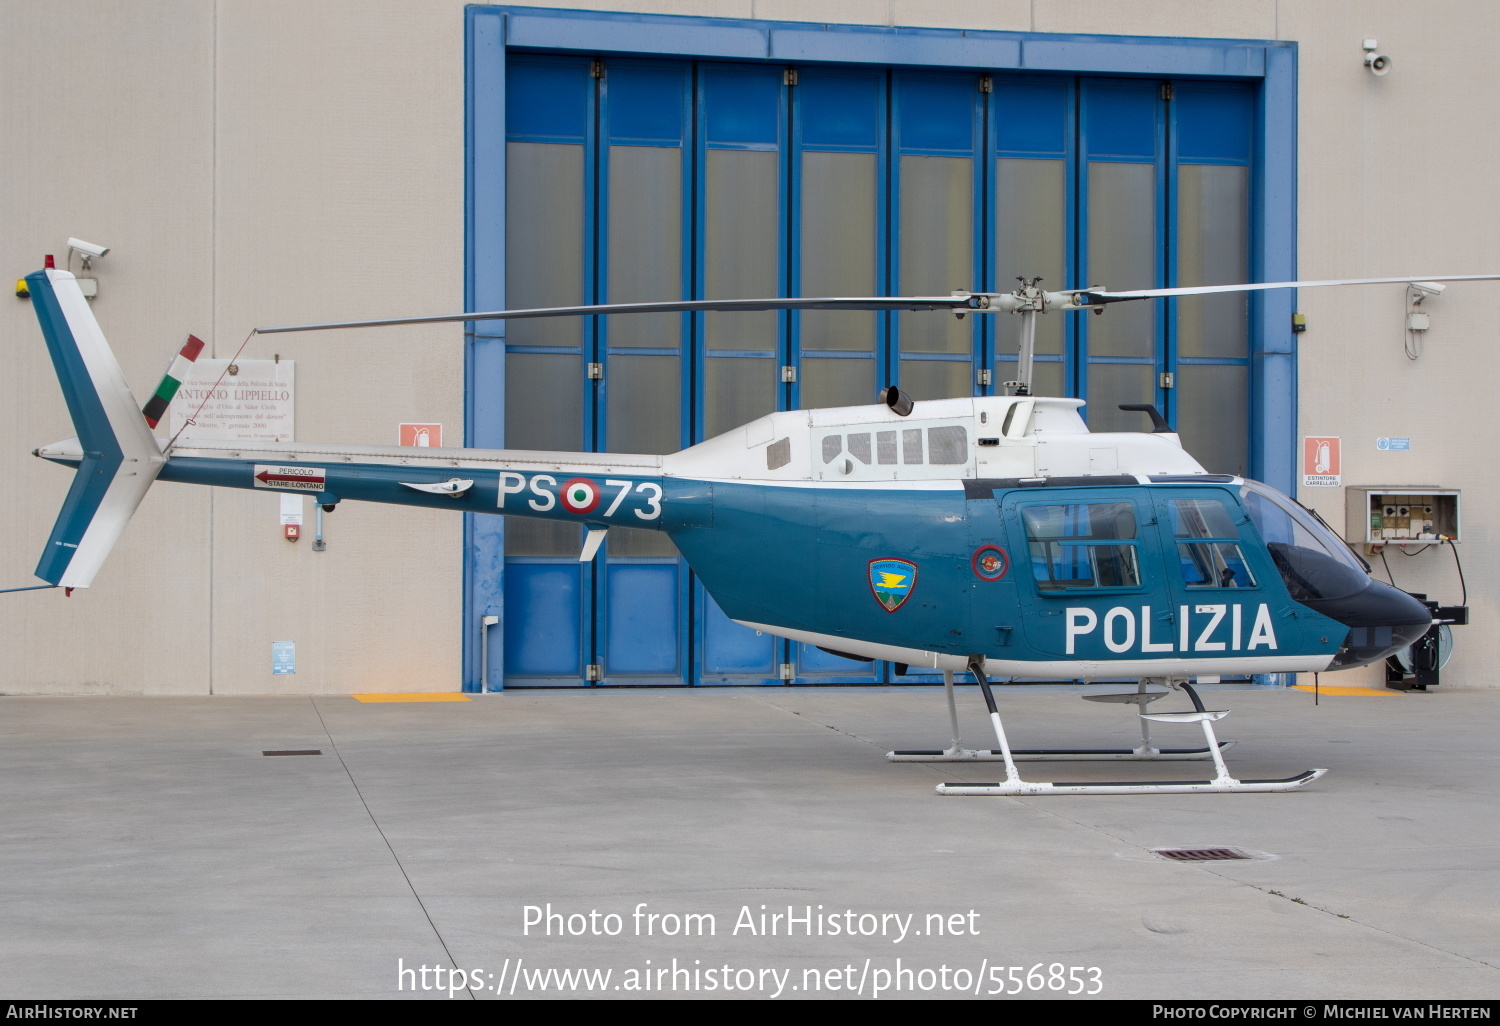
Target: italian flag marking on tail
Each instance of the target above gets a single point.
(157, 405)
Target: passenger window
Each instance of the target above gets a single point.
(1082, 545)
(911, 446)
(885, 447)
(778, 454)
(947, 445)
(1208, 551)
(859, 447)
(832, 446)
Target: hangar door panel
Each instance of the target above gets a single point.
(1212, 144)
(640, 180)
(938, 136)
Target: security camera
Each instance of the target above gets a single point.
(1422, 289)
(88, 249)
(1378, 63)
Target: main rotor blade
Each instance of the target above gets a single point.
(1094, 298)
(952, 303)
(961, 302)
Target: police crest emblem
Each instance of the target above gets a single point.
(892, 582)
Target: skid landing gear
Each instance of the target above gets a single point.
(1014, 785)
(1146, 751)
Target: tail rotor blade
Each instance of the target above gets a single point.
(177, 372)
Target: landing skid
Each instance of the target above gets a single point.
(1055, 754)
(1225, 785)
(1222, 782)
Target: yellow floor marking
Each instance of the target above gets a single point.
(1330, 689)
(408, 696)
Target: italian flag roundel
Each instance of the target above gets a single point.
(580, 495)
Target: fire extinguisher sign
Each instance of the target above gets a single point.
(1320, 463)
(421, 435)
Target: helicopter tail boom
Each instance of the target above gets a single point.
(594, 490)
(116, 455)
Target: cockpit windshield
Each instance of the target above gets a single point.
(1315, 564)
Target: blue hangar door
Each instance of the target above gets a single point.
(633, 180)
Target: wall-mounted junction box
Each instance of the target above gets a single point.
(1400, 514)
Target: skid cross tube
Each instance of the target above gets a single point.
(1147, 751)
(1222, 783)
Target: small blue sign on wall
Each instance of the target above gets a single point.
(1392, 444)
(283, 657)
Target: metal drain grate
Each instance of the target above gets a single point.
(297, 751)
(1200, 854)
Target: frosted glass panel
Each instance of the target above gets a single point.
(1122, 256)
(740, 258)
(936, 379)
(1046, 378)
(645, 242)
(838, 247)
(1213, 239)
(645, 402)
(737, 390)
(1111, 384)
(544, 401)
(544, 239)
(1213, 414)
(1030, 236)
(543, 410)
(937, 227)
(629, 541)
(837, 382)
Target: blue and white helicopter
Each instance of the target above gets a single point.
(995, 535)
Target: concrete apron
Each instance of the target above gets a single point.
(151, 850)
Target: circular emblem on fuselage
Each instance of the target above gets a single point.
(990, 562)
(580, 495)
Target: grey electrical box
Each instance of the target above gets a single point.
(1401, 514)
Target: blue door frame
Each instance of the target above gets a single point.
(492, 33)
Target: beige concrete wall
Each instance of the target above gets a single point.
(339, 192)
(1397, 177)
(259, 162)
(106, 126)
(248, 163)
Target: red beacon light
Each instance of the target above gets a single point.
(49, 263)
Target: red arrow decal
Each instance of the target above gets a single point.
(268, 477)
(308, 479)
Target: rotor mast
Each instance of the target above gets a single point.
(1029, 301)
(1031, 304)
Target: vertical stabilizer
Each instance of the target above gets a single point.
(120, 456)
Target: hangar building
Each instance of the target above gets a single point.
(270, 163)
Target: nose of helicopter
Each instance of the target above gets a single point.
(1381, 619)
